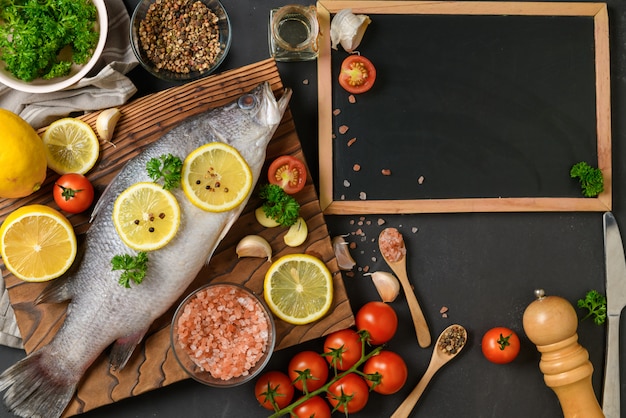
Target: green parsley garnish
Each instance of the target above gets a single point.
(168, 168)
(591, 180)
(134, 268)
(35, 33)
(595, 303)
(278, 205)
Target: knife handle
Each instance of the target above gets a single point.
(611, 391)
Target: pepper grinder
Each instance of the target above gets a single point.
(551, 324)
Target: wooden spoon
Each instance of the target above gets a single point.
(438, 359)
(396, 259)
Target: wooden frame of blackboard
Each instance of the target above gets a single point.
(597, 11)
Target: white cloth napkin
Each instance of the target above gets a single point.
(105, 86)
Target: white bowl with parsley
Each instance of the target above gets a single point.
(42, 53)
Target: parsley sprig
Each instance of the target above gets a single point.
(590, 178)
(278, 205)
(33, 33)
(133, 267)
(167, 168)
(595, 303)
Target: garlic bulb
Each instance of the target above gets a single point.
(387, 285)
(106, 122)
(254, 246)
(342, 253)
(347, 29)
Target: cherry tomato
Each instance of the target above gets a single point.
(313, 407)
(313, 369)
(276, 383)
(379, 320)
(346, 343)
(350, 392)
(392, 370)
(357, 74)
(500, 345)
(73, 193)
(288, 172)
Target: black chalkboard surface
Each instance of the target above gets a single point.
(469, 112)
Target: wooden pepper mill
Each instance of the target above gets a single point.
(551, 323)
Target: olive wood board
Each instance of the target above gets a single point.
(143, 121)
(444, 58)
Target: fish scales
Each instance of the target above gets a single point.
(101, 311)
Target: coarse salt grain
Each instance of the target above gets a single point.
(227, 338)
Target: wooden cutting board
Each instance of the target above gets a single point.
(144, 121)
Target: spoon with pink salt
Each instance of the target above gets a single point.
(393, 250)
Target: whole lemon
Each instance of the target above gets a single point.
(22, 157)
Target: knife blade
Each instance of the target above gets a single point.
(616, 300)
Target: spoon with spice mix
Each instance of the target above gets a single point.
(393, 250)
(449, 344)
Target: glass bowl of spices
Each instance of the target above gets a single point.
(180, 40)
(223, 335)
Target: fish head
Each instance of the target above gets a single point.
(261, 105)
(251, 119)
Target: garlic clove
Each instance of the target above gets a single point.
(342, 253)
(348, 29)
(297, 233)
(106, 122)
(254, 246)
(263, 219)
(386, 284)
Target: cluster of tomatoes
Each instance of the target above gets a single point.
(353, 363)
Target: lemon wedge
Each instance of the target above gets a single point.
(38, 243)
(216, 178)
(298, 288)
(146, 216)
(71, 146)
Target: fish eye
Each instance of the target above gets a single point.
(247, 101)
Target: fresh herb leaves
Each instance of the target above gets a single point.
(133, 268)
(278, 205)
(34, 33)
(595, 303)
(591, 180)
(168, 168)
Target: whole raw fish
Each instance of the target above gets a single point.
(102, 311)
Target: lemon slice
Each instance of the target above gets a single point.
(71, 146)
(38, 243)
(216, 178)
(146, 216)
(298, 288)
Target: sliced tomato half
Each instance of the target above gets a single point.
(287, 172)
(357, 74)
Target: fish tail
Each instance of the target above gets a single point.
(33, 390)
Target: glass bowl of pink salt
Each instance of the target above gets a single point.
(223, 334)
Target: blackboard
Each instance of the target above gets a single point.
(476, 107)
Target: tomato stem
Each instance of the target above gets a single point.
(503, 341)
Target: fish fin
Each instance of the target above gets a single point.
(123, 348)
(233, 218)
(102, 199)
(32, 390)
(57, 291)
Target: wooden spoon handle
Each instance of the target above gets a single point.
(405, 408)
(419, 321)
